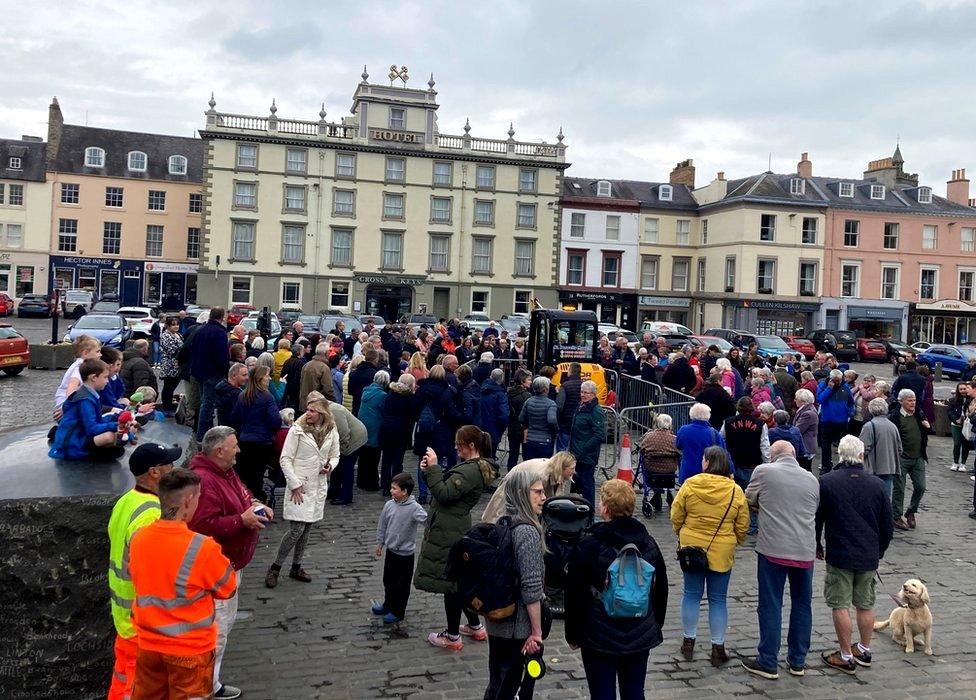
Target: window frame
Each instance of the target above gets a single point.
(759, 264)
(250, 289)
(935, 282)
(355, 165)
(15, 194)
(343, 230)
(14, 243)
(767, 232)
(655, 262)
(110, 191)
(288, 162)
(117, 241)
(160, 197)
(332, 293)
(162, 233)
(398, 114)
(730, 273)
(935, 236)
(192, 240)
(573, 225)
(386, 170)
(687, 263)
(816, 277)
(703, 232)
(972, 283)
(682, 238)
(490, 240)
(535, 181)
(700, 267)
(474, 213)
(177, 158)
(924, 195)
(63, 190)
(285, 208)
(145, 161)
(431, 238)
(397, 235)
(403, 207)
(235, 206)
(234, 223)
(665, 193)
(297, 282)
(335, 203)
(64, 235)
(604, 188)
(531, 258)
(573, 253)
(607, 228)
(302, 231)
(896, 285)
(15, 163)
(518, 216)
(450, 209)
(856, 291)
(798, 186)
(433, 173)
(528, 301)
(657, 230)
(971, 247)
(486, 303)
(618, 256)
(845, 189)
(804, 230)
(198, 198)
(92, 151)
(477, 178)
(237, 157)
(878, 192)
(856, 233)
(885, 237)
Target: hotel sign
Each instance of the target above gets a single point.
(390, 280)
(398, 136)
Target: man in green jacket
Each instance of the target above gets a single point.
(586, 438)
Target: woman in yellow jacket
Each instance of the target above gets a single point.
(696, 514)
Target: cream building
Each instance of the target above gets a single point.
(25, 217)
(378, 213)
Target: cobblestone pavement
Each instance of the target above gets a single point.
(319, 640)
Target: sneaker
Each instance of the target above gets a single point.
(390, 619)
(972, 478)
(834, 660)
(861, 658)
(753, 667)
(478, 634)
(796, 670)
(444, 641)
(901, 525)
(378, 609)
(227, 692)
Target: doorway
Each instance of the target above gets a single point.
(391, 303)
(130, 287)
(108, 285)
(442, 302)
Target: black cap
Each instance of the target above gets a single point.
(152, 454)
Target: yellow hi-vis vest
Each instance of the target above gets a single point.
(132, 511)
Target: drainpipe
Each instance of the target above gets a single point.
(318, 230)
(464, 191)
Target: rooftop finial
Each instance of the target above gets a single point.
(511, 130)
(365, 75)
(212, 102)
(430, 83)
(398, 74)
(559, 136)
(274, 107)
(467, 125)
(322, 112)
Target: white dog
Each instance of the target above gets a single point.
(911, 618)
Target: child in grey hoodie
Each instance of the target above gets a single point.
(397, 532)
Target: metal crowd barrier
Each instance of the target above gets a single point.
(635, 392)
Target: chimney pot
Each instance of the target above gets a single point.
(721, 175)
(957, 189)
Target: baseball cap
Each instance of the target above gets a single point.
(152, 454)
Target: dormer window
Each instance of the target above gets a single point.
(14, 163)
(137, 161)
(877, 191)
(94, 157)
(665, 193)
(603, 188)
(846, 189)
(398, 118)
(797, 185)
(924, 195)
(177, 165)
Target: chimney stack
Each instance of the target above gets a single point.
(805, 167)
(720, 175)
(957, 189)
(684, 174)
(54, 123)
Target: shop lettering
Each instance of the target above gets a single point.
(410, 281)
(401, 136)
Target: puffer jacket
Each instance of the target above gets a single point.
(399, 415)
(589, 430)
(301, 461)
(469, 404)
(82, 419)
(567, 401)
(136, 372)
(494, 408)
(517, 396)
(587, 623)
(454, 492)
(257, 421)
(538, 416)
(697, 511)
(371, 412)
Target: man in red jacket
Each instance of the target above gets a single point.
(230, 514)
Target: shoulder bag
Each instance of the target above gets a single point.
(694, 560)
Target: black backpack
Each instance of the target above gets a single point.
(482, 564)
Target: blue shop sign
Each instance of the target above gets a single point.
(888, 314)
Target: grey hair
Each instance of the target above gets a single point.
(904, 394)
(878, 406)
(540, 385)
(781, 417)
(836, 374)
(215, 437)
(518, 502)
(757, 381)
(700, 411)
(382, 378)
(234, 368)
(322, 349)
(498, 375)
(408, 380)
(723, 364)
(267, 359)
(589, 385)
(662, 421)
(850, 449)
(258, 343)
(804, 396)
(767, 407)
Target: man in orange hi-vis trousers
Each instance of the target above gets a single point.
(176, 574)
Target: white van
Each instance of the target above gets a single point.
(666, 327)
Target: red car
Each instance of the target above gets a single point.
(238, 312)
(801, 345)
(14, 353)
(6, 305)
(868, 349)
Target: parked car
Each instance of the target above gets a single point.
(251, 323)
(514, 322)
(310, 322)
(675, 341)
(708, 340)
(871, 350)
(377, 321)
(289, 314)
(109, 329)
(237, 312)
(6, 305)
(953, 358)
(327, 322)
(740, 339)
(418, 319)
(77, 303)
(897, 349)
(140, 320)
(612, 331)
(193, 310)
(921, 346)
(14, 351)
(34, 305)
(106, 307)
(772, 346)
(841, 344)
(667, 327)
(476, 321)
(801, 345)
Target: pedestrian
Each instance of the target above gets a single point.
(719, 400)
(807, 421)
(731, 379)
(136, 370)
(352, 436)
(316, 375)
(927, 403)
(494, 408)
(694, 438)
(436, 422)
(855, 512)
(310, 452)
(567, 401)
(785, 431)
(397, 534)
(256, 348)
(518, 394)
(520, 635)
(135, 509)
(170, 343)
(660, 458)
(882, 445)
(210, 359)
(371, 414)
(710, 512)
(179, 579)
(556, 474)
(959, 413)
(417, 366)
(454, 492)
(469, 397)
(914, 431)
(281, 355)
(538, 422)
(836, 409)
(910, 379)
(257, 420)
(587, 434)
(786, 498)
(399, 416)
(747, 441)
(614, 649)
(228, 391)
(83, 432)
(679, 376)
(786, 384)
(291, 371)
(230, 514)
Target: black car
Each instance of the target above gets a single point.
(740, 339)
(840, 344)
(289, 316)
(898, 349)
(310, 322)
(34, 305)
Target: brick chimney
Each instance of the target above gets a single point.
(805, 167)
(684, 174)
(54, 123)
(957, 189)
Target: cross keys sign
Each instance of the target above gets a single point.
(398, 74)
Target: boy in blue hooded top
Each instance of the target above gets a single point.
(83, 432)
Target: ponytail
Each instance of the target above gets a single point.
(473, 435)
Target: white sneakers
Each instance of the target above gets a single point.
(956, 467)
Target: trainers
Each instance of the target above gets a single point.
(901, 525)
(227, 692)
(478, 634)
(378, 609)
(861, 658)
(795, 670)
(444, 641)
(390, 619)
(753, 667)
(835, 660)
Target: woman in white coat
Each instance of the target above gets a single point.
(310, 452)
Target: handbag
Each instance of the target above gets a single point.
(693, 559)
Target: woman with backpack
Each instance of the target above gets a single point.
(519, 635)
(615, 647)
(710, 512)
(454, 492)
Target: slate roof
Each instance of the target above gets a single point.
(901, 200)
(771, 188)
(646, 193)
(31, 154)
(70, 157)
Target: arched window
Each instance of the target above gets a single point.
(603, 189)
(138, 161)
(664, 193)
(177, 165)
(94, 157)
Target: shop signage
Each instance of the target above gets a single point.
(77, 260)
(664, 301)
(4, 256)
(775, 305)
(171, 267)
(391, 280)
(856, 312)
(587, 296)
(946, 305)
(399, 136)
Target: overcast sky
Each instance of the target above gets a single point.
(636, 86)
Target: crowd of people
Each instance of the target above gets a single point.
(317, 415)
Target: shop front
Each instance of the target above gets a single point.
(884, 318)
(660, 308)
(23, 273)
(618, 309)
(770, 317)
(389, 296)
(169, 285)
(118, 279)
(947, 321)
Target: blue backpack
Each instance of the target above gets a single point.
(628, 586)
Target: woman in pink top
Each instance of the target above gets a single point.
(760, 393)
(728, 376)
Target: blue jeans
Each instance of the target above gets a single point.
(208, 404)
(347, 465)
(889, 482)
(772, 579)
(156, 352)
(536, 450)
(562, 441)
(718, 613)
(584, 482)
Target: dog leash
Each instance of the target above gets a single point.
(897, 600)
